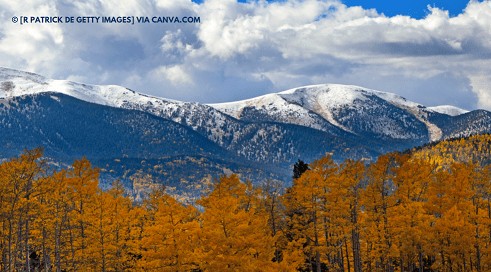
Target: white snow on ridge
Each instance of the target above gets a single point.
(448, 110)
(23, 83)
(328, 96)
(296, 105)
(309, 106)
(15, 83)
(324, 99)
(273, 105)
(318, 98)
(321, 99)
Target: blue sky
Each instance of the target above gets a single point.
(414, 8)
(435, 56)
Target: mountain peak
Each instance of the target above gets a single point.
(448, 110)
(8, 74)
(18, 83)
(327, 95)
(312, 97)
(342, 106)
(331, 95)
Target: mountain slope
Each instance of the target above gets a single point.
(350, 108)
(121, 142)
(86, 129)
(124, 131)
(251, 141)
(210, 122)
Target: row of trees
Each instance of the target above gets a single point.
(397, 214)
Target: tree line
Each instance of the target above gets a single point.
(400, 213)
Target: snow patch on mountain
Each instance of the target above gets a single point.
(448, 110)
(326, 100)
(272, 104)
(300, 106)
(330, 96)
(323, 99)
(421, 113)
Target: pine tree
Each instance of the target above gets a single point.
(299, 168)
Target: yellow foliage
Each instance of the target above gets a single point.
(429, 210)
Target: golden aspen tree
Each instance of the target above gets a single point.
(106, 233)
(304, 202)
(482, 218)
(410, 221)
(271, 191)
(377, 199)
(171, 238)
(47, 227)
(334, 209)
(134, 230)
(234, 235)
(450, 203)
(82, 184)
(120, 213)
(100, 233)
(351, 175)
(48, 231)
(314, 227)
(19, 179)
(472, 186)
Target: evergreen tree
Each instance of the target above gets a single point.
(299, 168)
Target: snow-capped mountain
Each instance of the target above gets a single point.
(383, 115)
(260, 137)
(200, 117)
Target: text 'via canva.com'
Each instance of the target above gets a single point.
(106, 20)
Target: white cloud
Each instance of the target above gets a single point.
(244, 49)
(29, 46)
(176, 75)
(481, 86)
(174, 4)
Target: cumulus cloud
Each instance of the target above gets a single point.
(241, 50)
(29, 46)
(481, 86)
(176, 75)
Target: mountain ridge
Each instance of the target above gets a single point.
(330, 98)
(314, 106)
(261, 137)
